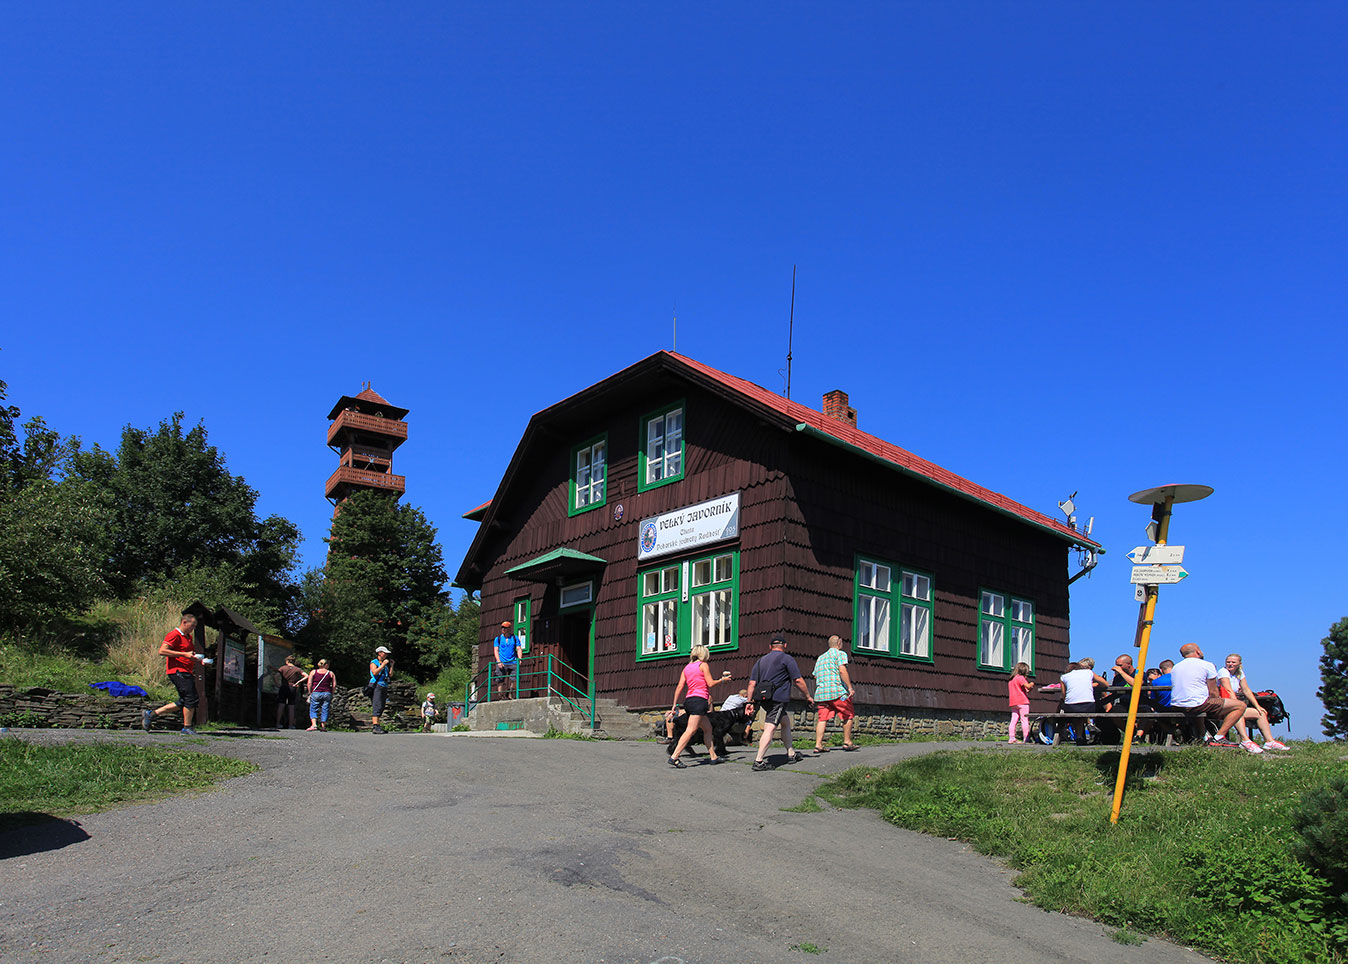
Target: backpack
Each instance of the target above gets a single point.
(1277, 713)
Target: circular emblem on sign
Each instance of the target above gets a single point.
(618, 512)
(648, 537)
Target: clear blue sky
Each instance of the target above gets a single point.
(1052, 247)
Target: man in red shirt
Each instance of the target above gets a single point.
(179, 662)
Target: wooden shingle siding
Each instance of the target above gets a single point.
(807, 508)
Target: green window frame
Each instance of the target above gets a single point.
(588, 488)
(1006, 631)
(662, 454)
(687, 603)
(523, 616)
(883, 590)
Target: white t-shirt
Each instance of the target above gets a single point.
(1232, 682)
(1080, 686)
(1189, 682)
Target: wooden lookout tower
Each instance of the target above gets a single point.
(365, 430)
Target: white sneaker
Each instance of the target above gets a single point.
(1251, 746)
(1274, 745)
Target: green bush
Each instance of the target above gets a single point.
(1321, 823)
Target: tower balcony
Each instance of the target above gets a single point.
(348, 421)
(357, 458)
(347, 479)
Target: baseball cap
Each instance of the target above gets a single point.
(382, 649)
(778, 638)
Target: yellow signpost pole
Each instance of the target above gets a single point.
(1163, 500)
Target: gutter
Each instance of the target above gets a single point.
(823, 436)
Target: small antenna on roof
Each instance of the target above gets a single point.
(790, 331)
(676, 327)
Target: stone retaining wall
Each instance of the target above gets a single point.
(44, 708)
(37, 707)
(895, 722)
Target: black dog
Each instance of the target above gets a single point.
(724, 723)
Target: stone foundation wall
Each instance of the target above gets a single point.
(44, 708)
(895, 722)
(39, 707)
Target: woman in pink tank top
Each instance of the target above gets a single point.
(697, 680)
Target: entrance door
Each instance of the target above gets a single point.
(575, 645)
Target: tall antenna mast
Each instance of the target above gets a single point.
(791, 331)
(676, 327)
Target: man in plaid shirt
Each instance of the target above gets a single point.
(833, 694)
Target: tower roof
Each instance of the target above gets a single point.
(370, 402)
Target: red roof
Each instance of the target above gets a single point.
(370, 395)
(885, 451)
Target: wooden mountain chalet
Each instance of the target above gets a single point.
(672, 505)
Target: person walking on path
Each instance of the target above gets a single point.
(696, 678)
(428, 713)
(508, 650)
(833, 694)
(1233, 677)
(772, 678)
(381, 668)
(1018, 691)
(289, 681)
(180, 658)
(322, 683)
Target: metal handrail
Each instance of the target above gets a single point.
(582, 701)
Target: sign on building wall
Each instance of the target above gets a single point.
(689, 527)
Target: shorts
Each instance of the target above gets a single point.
(842, 709)
(1211, 707)
(774, 711)
(696, 705)
(187, 689)
(287, 695)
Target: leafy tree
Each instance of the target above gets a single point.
(447, 638)
(180, 517)
(53, 532)
(383, 585)
(1333, 691)
(53, 544)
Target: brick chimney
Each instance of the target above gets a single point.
(835, 406)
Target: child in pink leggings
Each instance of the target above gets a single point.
(1018, 691)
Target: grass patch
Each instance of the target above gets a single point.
(62, 780)
(808, 948)
(808, 805)
(1127, 937)
(1201, 855)
(556, 734)
(112, 641)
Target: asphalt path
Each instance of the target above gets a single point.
(417, 849)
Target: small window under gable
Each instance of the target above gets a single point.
(661, 456)
(588, 486)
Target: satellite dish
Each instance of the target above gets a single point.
(1175, 492)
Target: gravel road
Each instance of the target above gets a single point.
(419, 849)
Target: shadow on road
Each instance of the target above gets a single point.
(27, 832)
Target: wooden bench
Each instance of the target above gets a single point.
(1175, 721)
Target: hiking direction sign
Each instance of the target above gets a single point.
(1156, 555)
(1157, 575)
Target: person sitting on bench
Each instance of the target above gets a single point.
(1194, 690)
(1079, 687)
